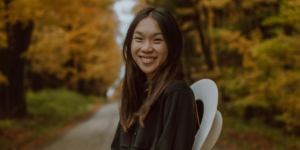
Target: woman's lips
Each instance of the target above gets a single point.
(147, 60)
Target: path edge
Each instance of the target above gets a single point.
(40, 140)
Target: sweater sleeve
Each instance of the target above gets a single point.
(116, 140)
(179, 123)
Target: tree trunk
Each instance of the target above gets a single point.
(12, 96)
(204, 39)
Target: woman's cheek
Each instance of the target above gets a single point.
(134, 46)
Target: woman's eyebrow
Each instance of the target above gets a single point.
(138, 32)
(154, 34)
(158, 33)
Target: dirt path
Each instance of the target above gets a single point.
(94, 133)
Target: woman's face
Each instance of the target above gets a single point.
(148, 48)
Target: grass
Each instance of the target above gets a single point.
(257, 136)
(48, 110)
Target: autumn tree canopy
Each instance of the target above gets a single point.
(71, 44)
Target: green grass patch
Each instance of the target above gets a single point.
(48, 110)
(258, 136)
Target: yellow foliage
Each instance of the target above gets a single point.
(236, 41)
(3, 79)
(3, 36)
(276, 77)
(251, 3)
(185, 11)
(228, 36)
(187, 25)
(288, 15)
(3, 40)
(289, 85)
(270, 77)
(256, 36)
(72, 40)
(216, 3)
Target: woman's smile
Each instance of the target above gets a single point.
(147, 60)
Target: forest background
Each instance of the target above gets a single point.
(251, 49)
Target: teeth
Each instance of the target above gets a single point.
(148, 59)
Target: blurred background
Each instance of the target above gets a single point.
(59, 59)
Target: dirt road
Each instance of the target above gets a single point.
(94, 133)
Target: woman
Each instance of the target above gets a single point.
(157, 106)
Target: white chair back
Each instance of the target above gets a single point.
(214, 133)
(211, 124)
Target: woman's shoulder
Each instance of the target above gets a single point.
(178, 85)
(178, 92)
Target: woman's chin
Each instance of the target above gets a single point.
(149, 73)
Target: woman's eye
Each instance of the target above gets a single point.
(138, 38)
(156, 40)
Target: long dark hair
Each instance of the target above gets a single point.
(169, 71)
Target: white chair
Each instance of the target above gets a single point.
(211, 125)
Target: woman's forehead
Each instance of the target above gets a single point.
(147, 25)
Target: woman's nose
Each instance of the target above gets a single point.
(147, 47)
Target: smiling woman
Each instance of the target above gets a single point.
(149, 49)
(157, 106)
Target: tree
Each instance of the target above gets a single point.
(12, 100)
(71, 42)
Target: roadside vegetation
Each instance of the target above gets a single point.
(48, 110)
(239, 134)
